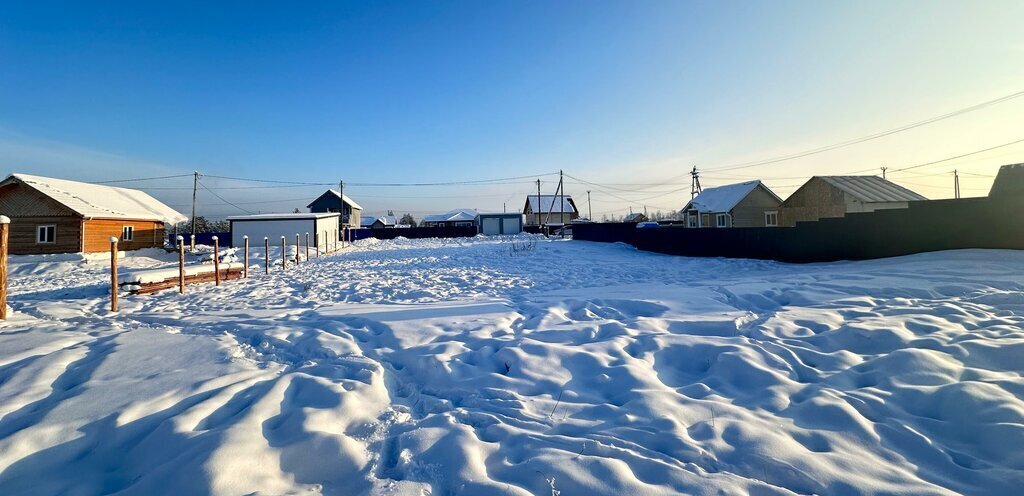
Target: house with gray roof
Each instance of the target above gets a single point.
(748, 204)
(549, 210)
(835, 196)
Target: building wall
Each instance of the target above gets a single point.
(329, 203)
(815, 200)
(22, 239)
(148, 234)
(28, 209)
(750, 211)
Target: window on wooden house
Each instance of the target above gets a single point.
(127, 233)
(771, 219)
(691, 220)
(722, 220)
(46, 234)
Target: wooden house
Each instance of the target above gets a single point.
(749, 204)
(330, 201)
(549, 210)
(836, 196)
(635, 217)
(60, 216)
(388, 221)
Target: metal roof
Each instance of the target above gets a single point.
(549, 203)
(872, 189)
(724, 198)
(284, 216)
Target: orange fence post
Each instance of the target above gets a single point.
(181, 265)
(5, 226)
(245, 258)
(298, 243)
(307, 246)
(113, 274)
(216, 262)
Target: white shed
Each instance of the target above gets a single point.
(273, 226)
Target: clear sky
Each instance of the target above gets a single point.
(628, 95)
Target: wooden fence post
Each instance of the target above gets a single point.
(298, 243)
(327, 246)
(307, 246)
(284, 253)
(113, 274)
(181, 264)
(216, 262)
(192, 246)
(5, 226)
(245, 258)
(266, 255)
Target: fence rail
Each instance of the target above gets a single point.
(415, 232)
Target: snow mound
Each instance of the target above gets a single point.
(453, 367)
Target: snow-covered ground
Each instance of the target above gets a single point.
(466, 367)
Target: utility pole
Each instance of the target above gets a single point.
(341, 209)
(504, 207)
(590, 211)
(195, 185)
(537, 213)
(561, 203)
(884, 168)
(694, 183)
(956, 183)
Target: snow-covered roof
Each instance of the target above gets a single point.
(872, 189)
(387, 220)
(97, 201)
(348, 200)
(458, 215)
(634, 217)
(550, 203)
(284, 216)
(723, 198)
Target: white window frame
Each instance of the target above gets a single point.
(692, 220)
(771, 213)
(127, 233)
(41, 228)
(719, 222)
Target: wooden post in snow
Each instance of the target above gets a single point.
(5, 227)
(298, 243)
(284, 250)
(307, 246)
(216, 262)
(192, 246)
(245, 258)
(266, 255)
(113, 274)
(181, 265)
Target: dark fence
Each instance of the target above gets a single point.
(201, 238)
(415, 232)
(924, 226)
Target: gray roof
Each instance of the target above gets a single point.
(458, 215)
(872, 189)
(1009, 181)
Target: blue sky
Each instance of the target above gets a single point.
(625, 94)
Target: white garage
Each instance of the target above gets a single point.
(322, 228)
(503, 223)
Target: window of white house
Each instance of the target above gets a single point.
(692, 220)
(771, 219)
(127, 233)
(46, 234)
(722, 220)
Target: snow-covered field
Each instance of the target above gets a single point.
(464, 367)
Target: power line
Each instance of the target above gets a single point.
(214, 193)
(142, 179)
(869, 137)
(959, 156)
